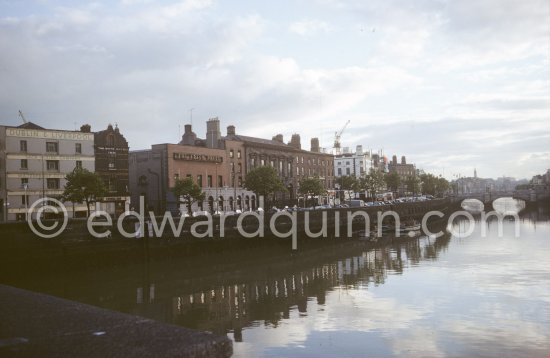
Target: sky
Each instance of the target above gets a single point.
(453, 85)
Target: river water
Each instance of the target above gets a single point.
(447, 296)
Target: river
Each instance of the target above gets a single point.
(481, 295)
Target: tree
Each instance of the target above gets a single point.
(433, 185)
(392, 181)
(442, 186)
(264, 181)
(348, 182)
(413, 184)
(313, 187)
(83, 186)
(189, 190)
(373, 181)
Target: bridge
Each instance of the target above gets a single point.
(527, 195)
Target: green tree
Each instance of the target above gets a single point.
(312, 187)
(373, 182)
(442, 186)
(188, 190)
(392, 181)
(264, 181)
(413, 184)
(347, 182)
(433, 185)
(83, 186)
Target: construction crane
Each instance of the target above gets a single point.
(337, 136)
(22, 117)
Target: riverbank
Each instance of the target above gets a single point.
(24, 253)
(38, 325)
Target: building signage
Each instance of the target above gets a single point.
(198, 157)
(41, 134)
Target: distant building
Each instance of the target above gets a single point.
(111, 163)
(355, 164)
(404, 171)
(34, 162)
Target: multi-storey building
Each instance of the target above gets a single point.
(356, 163)
(34, 162)
(111, 163)
(219, 165)
(404, 170)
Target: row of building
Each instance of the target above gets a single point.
(34, 162)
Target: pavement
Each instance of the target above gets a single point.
(38, 325)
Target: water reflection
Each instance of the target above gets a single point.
(232, 306)
(478, 295)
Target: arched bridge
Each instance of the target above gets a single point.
(527, 195)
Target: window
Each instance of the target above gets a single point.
(23, 145)
(231, 154)
(272, 163)
(281, 166)
(51, 147)
(52, 165)
(232, 167)
(112, 160)
(220, 181)
(53, 183)
(78, 164)
(253, 162)
(78, 148)
(24, 199)
(239, 154)
(199, 180)
(24, 164)
(176, 176)
(110, 140)
(24, 183)
(348, 171)
(302, 160)
(111, 186)
(262, 162)
(297, 171)
(240, 166)
(209, 181)
(339, 171)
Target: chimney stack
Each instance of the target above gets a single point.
(213, 134)
(315, 145)
(230, 130)
(295, 141)
(278, 138)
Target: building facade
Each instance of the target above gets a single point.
(355, 164)
(219, 165)
(34, 162)
(404, 171)
(111, 163)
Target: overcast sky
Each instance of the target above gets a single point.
(452, 85)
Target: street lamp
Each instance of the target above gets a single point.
(158, 187)
(25, 186)
(217, 206)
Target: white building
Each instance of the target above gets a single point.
(356, 163)
(34, 162)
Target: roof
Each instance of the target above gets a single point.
(245, 138)
(30, 125)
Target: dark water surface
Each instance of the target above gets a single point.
(450, 296)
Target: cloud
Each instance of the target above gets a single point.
(429, 82)
(308, 27)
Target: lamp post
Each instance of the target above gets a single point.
(158, 187)
(25, 186)
(217, 183)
